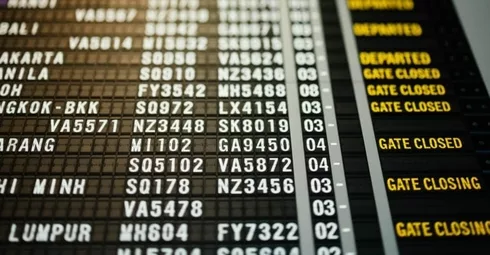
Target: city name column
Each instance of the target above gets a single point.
(69, 125)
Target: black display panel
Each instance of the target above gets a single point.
(258, 127)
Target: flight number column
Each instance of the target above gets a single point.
(166, 160)
(255, 166)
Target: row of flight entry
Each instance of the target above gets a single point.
(167, 232)
(182, 145)
(196, 126)
(78, 186)
(234, 186)
(228, 145)
(195, 90)
(251, 90)
(272, 164)
(190, 74)
(277, 74)
(194, 4)
(189, 43)
(248, 29)
(177, 126)
(157, 107)
(172, 185)
(120, 15)
(198, 15)
(249, 107)
(225, 58)
(156, 208)
(224, 29)
(191, 90)
(223, 90)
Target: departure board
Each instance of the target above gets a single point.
(241, 127)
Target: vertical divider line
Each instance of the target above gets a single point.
(347, 236)
(389, 241)
(303, 211)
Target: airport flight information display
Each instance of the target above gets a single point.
(229, 127)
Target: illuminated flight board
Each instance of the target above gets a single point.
(241, 127)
